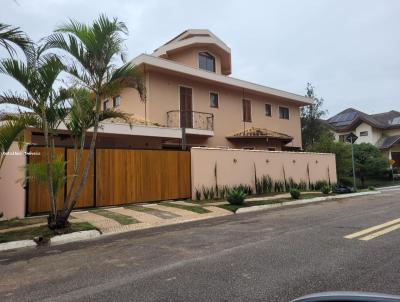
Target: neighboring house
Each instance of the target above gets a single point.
(188, 85)
(381, 130)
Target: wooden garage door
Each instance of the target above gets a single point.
(128, 176)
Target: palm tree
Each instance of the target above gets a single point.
(94, 49)
(40, 106)
(10, 36)
(80, 119)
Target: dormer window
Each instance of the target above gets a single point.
(206, 61)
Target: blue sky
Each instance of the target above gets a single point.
(349, 50)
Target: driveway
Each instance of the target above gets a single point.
(261, 256)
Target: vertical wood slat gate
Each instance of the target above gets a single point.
(119, 177)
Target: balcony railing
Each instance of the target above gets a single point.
(190, 119)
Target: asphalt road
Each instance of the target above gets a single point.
(264, 256)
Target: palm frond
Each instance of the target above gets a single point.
(10, 36)
(9, 132)
(21, 72)
(17, 100)
(127, 76)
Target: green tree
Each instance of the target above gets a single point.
(94, 49)
(369, 161)
(11, 36)
(40, 106)
(312, 126)
(342, 151)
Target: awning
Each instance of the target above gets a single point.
(260, 133)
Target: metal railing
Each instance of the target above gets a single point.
(190, 119)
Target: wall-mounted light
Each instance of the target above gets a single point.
(294, 161)
(234, 160)
(267, 161)
(316, 161)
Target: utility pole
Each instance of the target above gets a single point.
(351, 138)
(354, 169)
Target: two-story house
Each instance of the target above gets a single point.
(188, 86)
(381, 130)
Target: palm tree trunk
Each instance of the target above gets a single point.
(77, 162)
(49, 169)
(71, 203)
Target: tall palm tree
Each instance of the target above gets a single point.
(40, 106)
(94, 49)
(11, 36)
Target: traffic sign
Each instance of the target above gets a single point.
(392, 162)
(351, 138)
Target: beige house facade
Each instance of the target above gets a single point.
(381, 130)
(188, 85)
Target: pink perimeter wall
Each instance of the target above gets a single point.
(236, 166)
(12, 193)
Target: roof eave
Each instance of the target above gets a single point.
(195, 72)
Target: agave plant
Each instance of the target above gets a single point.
(94, 49)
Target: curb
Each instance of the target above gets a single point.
(73, 237)
(300, 202)
(16, 244)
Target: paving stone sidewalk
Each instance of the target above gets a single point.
(147, 216)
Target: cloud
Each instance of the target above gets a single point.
(347, 49)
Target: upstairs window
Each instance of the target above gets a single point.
(364, 133)
(284, 113)
(268, 110)
(246, 111)
(116, 101)
(213, 99)
(206, 61)
(106, 104)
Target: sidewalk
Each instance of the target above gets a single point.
(135, 217)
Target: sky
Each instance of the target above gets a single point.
(348, 49)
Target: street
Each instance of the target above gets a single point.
(262, 256)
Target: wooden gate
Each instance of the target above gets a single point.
(119, 177)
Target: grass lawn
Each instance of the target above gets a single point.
(122, 219)
(16, 222)
(138, 208)
(196, 209)
(43, 231)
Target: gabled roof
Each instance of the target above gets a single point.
(350, 118)
(388, 142)
(254, 132)
(199, 38)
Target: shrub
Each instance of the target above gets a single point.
(206, 193)
(371, 188)
(245, 188)
(325, 189)
(320, 184)
(264, 184)
(236, 196)
(211, 193)
(279, 186)
(295, 193)
(346, 181)
(198, 195)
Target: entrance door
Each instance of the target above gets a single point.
(396, 158)
(186, 109)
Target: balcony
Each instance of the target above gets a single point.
(200, 123)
